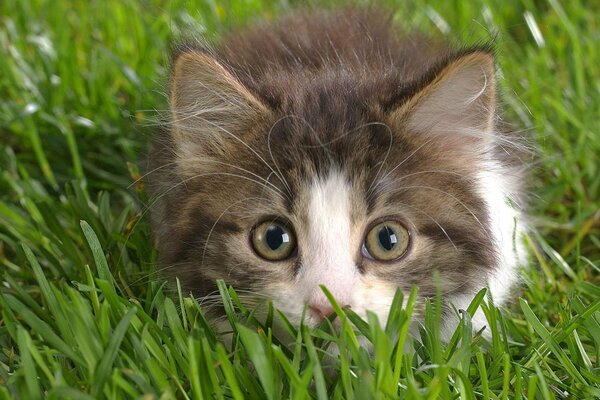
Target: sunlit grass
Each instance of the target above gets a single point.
(83, 313)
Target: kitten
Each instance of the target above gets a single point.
(330, 148)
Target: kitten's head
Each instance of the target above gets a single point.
(361, 182)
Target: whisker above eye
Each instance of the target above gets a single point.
(281, 176)
(201, 160)
(184, 182)
(396, 182)
(217, 221)
(404, 188)
(345, 134)
(387, 154)
(236, 137)
(434, 221)
(412, 154)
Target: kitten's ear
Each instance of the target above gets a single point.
(458, 104)
(208, 105)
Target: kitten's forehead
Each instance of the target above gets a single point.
(329, 214)
(333, 196)
(340, 139)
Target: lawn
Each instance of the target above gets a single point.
(84, 313)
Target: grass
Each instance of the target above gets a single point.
(82, 314)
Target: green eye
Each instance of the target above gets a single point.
(273, 241)
(386, 241)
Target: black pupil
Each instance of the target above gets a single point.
(276, 236)
(387, 238)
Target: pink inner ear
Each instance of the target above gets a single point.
(458, 106)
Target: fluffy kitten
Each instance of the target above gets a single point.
(330, 148)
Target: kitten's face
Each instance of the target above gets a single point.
(331, 186)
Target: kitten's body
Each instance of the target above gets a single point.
(329, 122)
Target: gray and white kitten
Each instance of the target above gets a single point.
(330, 148)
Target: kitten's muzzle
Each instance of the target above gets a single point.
(321, 311)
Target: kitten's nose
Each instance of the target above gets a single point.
(321, 310)
(319, 306)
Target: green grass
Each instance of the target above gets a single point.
(82, 314)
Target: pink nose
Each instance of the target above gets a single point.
(321, 310)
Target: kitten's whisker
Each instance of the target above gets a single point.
(158, 119)
(185, 181)
(289, 189)
(149, 173)
(267, 179)
(384, 159)
(465, 281)
(340, 137)
(158, 271)
(214, 295)
(407, 158)
(249, 301)
(200, 160)
(446, 193)
(431, 171)
(394, 183)
(434, 221)
(315, 135)
(217, 221)
(245, 145)
(239, 292)
(252, 292)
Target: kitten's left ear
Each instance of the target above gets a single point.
(209, 106)
(458, 104)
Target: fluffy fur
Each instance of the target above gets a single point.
(331, 121)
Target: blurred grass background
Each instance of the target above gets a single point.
(80, 84)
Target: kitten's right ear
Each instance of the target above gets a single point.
(209, 106)
(457, 105)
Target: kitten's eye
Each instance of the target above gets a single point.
(273, 240)
(386, 241)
